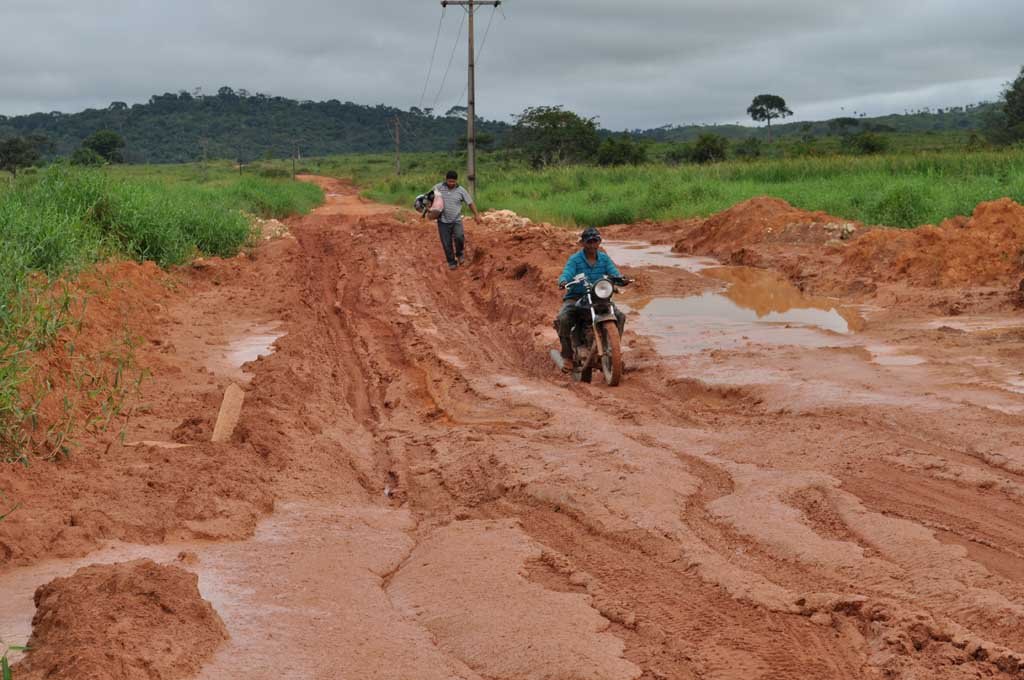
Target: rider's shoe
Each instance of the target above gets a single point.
(567, 364)
(452, 265)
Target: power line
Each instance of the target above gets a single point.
(450, 60)
(480, 51)
(433, 54)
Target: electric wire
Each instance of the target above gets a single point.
(479, 51)
(450, 60)
(430, 69)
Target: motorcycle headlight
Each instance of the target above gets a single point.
(603, 289)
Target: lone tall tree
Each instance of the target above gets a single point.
(766, 108)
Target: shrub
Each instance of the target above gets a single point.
(709, 148)
(621, 151)
(86, 156)
(679, 153)
(903, 205)
(866, 143)
(748, 149)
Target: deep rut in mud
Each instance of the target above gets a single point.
(448, 506)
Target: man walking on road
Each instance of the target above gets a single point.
(449, 224)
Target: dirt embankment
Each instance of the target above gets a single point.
(828, 255)
(985, 249)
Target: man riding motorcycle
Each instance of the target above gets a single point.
(594, 264)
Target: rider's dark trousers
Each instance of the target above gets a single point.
(569, 315)
(451, 232)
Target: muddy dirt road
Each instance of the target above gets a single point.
(784, 486)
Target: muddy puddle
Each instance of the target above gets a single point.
(251, 584)
(247, 345)
(886, 355)
(754, 307)
(632, 254)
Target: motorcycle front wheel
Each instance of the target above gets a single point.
(611, 362)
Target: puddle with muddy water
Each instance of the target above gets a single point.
(256, 341)
(268, 601)
(755, 307)
(632, 254)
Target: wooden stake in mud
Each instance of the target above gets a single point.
(471, 91)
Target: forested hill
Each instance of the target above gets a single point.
(234, 124)
(171, 127)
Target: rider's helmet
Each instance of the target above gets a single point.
(590, 234)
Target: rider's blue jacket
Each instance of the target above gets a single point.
(578, 264)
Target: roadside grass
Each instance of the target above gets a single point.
(894, 190)
(56, 223)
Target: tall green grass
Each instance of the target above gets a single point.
(57, 222)
(900, 190)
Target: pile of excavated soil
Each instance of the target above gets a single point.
(985, 249)
(504, 219)
(760, 220)
(121, 622)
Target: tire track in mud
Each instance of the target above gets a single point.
(475, 485)
(467, 439)
(470, 478)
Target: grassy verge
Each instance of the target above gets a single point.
(901, 191)
(58, 222)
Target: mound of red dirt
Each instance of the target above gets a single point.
(121, 622)
(985, 249)
(761, 220)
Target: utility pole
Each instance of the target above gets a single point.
(398, 145)
(471, 91)
(204, 143)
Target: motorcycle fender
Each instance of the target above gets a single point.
(601, 318)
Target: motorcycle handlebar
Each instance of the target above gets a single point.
(582, 278)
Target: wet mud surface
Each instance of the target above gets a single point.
(794, 480)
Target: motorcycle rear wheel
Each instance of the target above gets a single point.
(611, 362)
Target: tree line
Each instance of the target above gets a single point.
(189, 126)
(183, 126)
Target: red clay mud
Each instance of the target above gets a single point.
(985, 249)
(130, 621)
(413, 490)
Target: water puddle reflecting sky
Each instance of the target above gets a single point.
(257, 340)
(630, 254)
(756, 307)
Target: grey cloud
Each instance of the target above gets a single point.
(633, 64)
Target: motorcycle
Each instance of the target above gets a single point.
(596, 344)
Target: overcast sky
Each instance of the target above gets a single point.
(631, 63)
